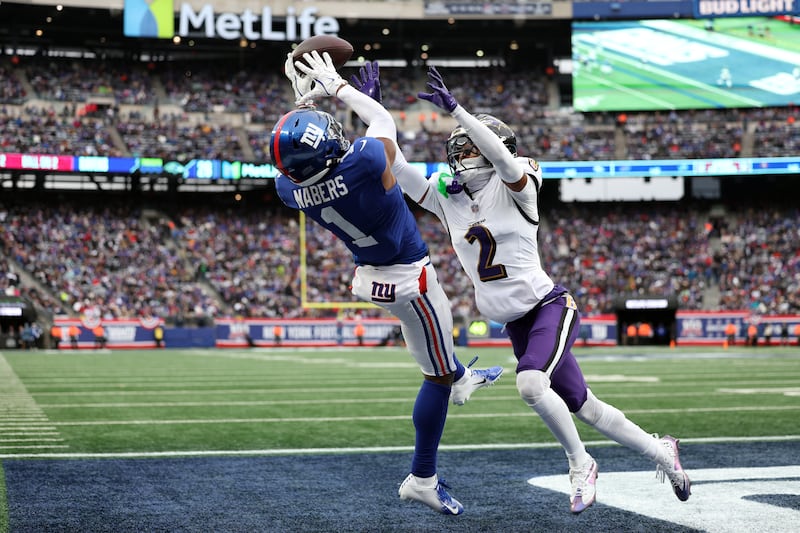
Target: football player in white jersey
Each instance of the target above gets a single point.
(489, 205)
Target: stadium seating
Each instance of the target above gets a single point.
(191, 264)
(192, 104)
(195, 263)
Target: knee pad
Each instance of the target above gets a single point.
(591, 410)
(532, 384)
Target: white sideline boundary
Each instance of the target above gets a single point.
(355, 450)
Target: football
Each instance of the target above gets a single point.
(339, 49)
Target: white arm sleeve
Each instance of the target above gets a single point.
(490, 145)
(379, 121)
(411, 180)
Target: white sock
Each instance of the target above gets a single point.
(426, 482)
(613, 423)
(556, 416)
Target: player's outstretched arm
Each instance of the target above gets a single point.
(489, 144)
(411, 180)
(328, 82)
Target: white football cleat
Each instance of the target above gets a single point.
(584, 483)
(431, 492)
(681, 484)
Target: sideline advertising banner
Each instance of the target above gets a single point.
(697, 328)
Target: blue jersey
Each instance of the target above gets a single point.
(375, 224)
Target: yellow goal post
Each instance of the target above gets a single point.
(304, 279)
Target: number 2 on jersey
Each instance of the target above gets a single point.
(486, 269)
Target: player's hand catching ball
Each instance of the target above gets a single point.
(300, 84)
(320, 68)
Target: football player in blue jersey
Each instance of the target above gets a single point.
(489, 205)
(349, 189)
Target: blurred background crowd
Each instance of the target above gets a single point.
(191, 263)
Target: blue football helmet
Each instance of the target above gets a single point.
(306, 143)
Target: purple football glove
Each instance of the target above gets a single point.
(440, 95)
(368, 80)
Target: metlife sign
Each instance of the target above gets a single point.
(156, 19)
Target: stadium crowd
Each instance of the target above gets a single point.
(192, 264)
(199, 110)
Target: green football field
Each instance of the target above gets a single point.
(287, 440)
(293, 401)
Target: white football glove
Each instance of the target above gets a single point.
(301, 84)
(326, 80)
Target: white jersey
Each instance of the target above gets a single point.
(494, 233)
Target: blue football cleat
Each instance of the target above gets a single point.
(473, 380)
(432, 493)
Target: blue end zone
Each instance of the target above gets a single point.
(338, 493)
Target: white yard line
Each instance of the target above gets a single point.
(368, 449)
(356, 401)
(19, 412)
(340, 419)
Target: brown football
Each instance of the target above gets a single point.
(339, 49)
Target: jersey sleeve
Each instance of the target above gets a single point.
(432, 201)
(371, 153)
(528, 198)
(284, 187)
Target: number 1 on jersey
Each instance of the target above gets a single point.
(332, 216)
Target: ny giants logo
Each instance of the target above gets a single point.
(312, 136)
(383, 292)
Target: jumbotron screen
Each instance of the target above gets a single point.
(685, 64)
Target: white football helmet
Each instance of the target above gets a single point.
(464, 157)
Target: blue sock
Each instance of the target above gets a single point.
(459, 370)
(430, 414)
